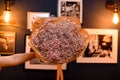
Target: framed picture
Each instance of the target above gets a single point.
(72, 8)
(102, 47)
(31, 16)
(7, 42)
(37, 63)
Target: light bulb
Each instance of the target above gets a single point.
(7, 16)
(115, 18)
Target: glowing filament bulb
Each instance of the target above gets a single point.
(115, 18)
(7, 16)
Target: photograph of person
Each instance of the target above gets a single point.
(70, 8)
(99, 46)
(7, 42)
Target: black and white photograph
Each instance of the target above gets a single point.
(102, 47)
(7, 42)
(72, 8)
(99, 46)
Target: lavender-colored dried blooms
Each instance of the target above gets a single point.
(58, 42)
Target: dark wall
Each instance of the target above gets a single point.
(95, 15)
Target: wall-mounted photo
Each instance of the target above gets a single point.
(102, 47)
(73, 8)
(7, 42)
(31, 16)
(37, 63)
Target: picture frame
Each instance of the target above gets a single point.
(31, 16)
(102, 47)
(73, 8)
(37, 63)
(7, 42)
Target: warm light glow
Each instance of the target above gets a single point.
(7, 16)
(115, 18)
(8, 19)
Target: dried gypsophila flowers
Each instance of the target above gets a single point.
(59, 41)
